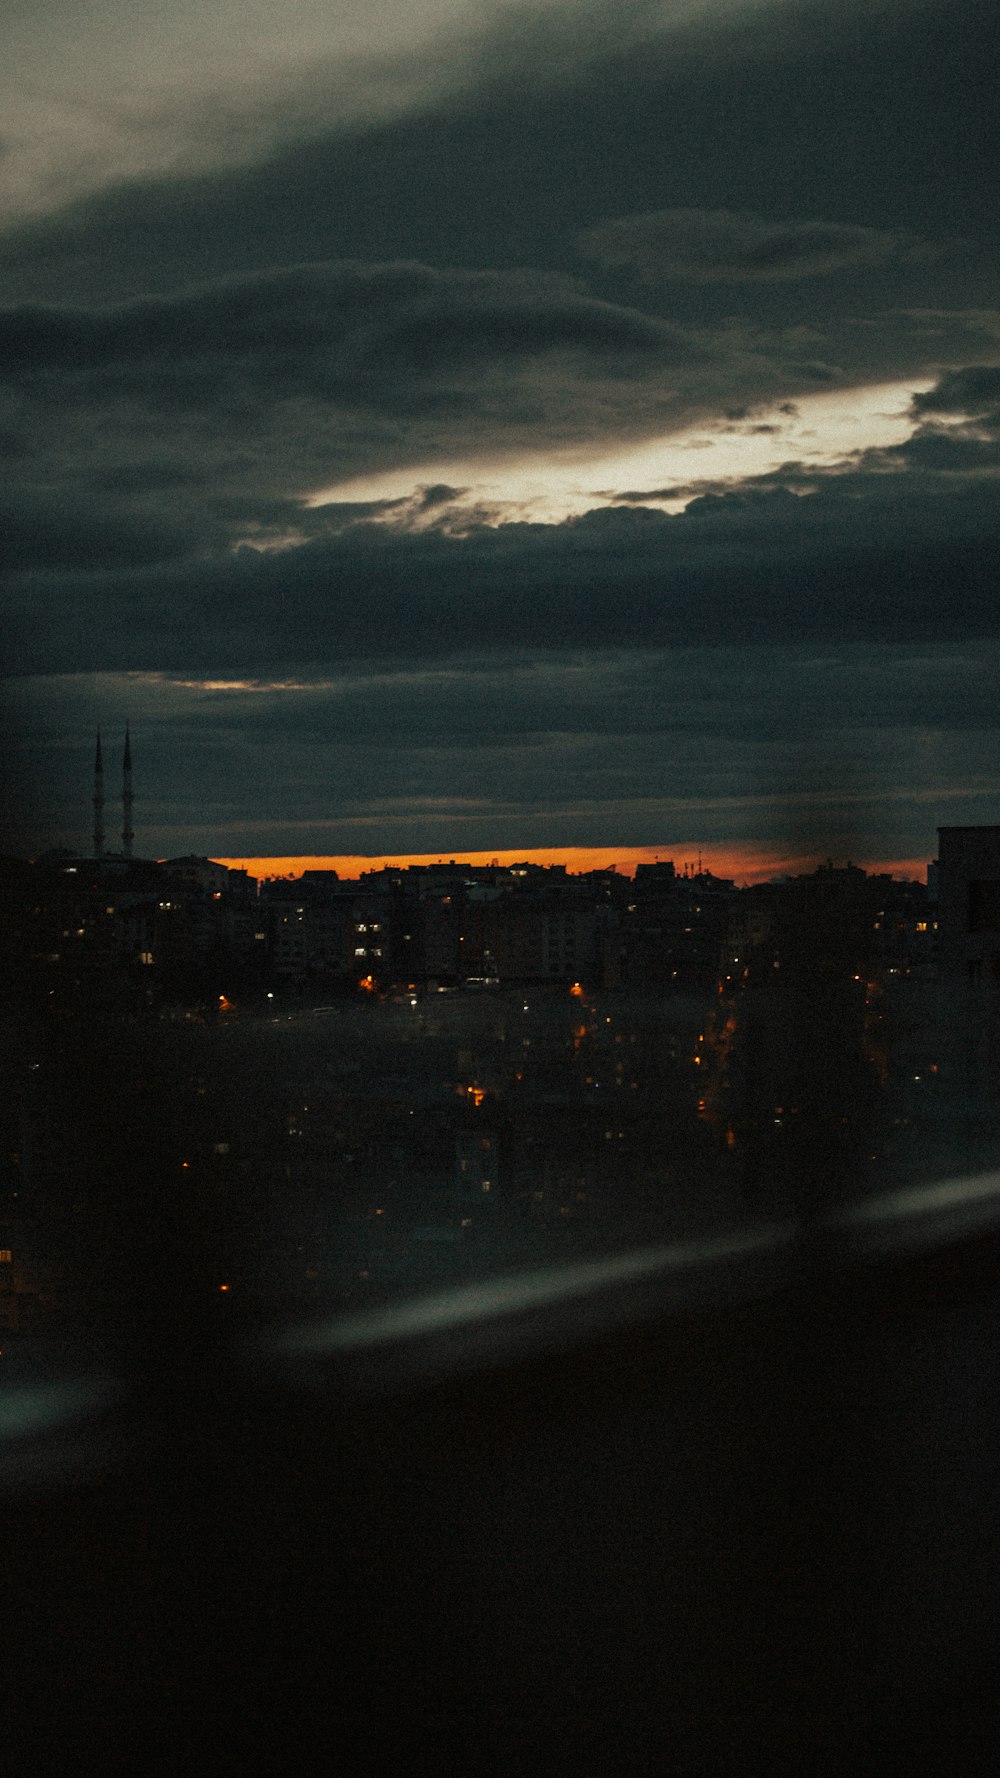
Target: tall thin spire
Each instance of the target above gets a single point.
(127, 834)
(98, 801)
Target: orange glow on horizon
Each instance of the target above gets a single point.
(744, 864)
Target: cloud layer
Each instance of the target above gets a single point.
(453, 239)
(709, 246)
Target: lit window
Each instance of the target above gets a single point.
(361, 950)
(6, 1256)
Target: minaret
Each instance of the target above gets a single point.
(98, 801)
(127, 835)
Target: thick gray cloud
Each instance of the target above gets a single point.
(282, 381)
(555, 123)
(729, 247)
(974, 390)
(348, 324)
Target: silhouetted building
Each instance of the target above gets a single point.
(969, 902)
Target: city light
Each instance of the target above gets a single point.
(580, 990)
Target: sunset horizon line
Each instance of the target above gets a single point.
(743, 868)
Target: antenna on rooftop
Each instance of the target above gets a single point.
(127, 834)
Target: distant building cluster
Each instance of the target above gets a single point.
(190, 925)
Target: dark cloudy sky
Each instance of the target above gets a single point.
(444, 424)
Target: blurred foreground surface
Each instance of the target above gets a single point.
(738, 1520)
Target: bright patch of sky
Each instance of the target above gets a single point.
(821, 431)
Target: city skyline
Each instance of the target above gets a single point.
(473, 427)
(578, 860)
